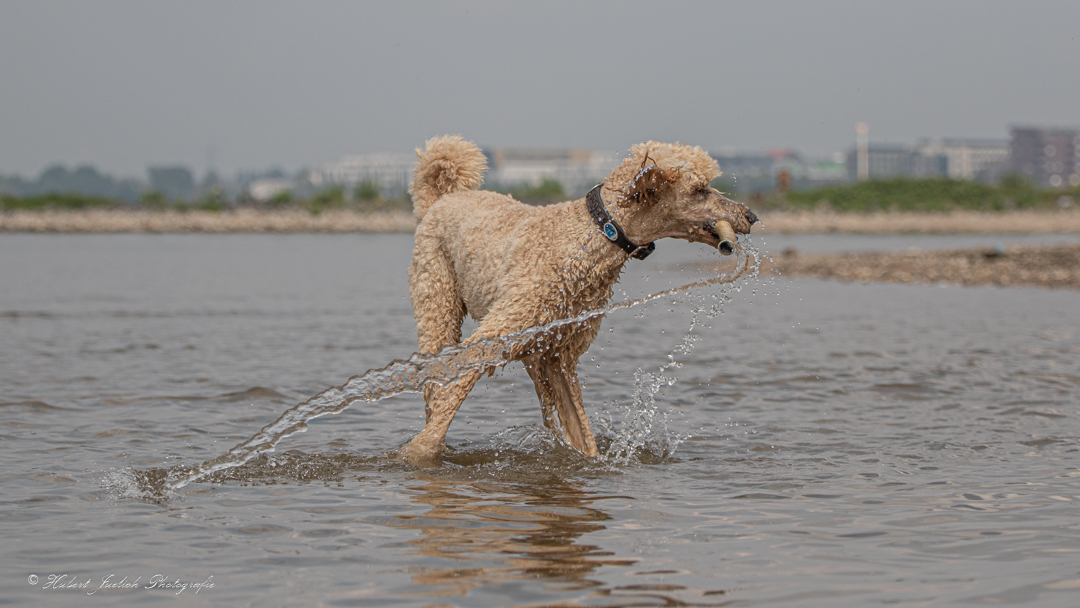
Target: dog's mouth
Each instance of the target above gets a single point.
(724, 234)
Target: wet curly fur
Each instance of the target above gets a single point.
(513, 266)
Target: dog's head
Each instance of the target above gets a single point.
(662, 190)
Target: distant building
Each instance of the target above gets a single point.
(392, 172)
(264, 189)
(967, 158)
(755, 173)
(745, 173)
(896, 160)
(826, 171)
(1048, 156)
(577, 170)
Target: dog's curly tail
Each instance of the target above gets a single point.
(448, 164)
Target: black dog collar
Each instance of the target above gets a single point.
(611, 229)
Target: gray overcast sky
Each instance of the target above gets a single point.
(124, 84)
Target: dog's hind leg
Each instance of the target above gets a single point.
(437, 306)
(557, 386)
(439, 311)
(443, 403)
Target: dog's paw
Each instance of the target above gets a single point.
(419, 455)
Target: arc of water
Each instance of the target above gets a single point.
(410, 375)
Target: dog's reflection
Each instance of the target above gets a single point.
(493, 531)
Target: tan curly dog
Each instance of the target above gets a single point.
(513, 266)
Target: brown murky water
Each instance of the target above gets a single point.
(834, 444)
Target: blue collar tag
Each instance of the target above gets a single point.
(610, 232)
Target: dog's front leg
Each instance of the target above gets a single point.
(443, 403)
(557, 386)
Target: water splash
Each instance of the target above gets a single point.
(643, 434)
(637, 431)
(411, 375)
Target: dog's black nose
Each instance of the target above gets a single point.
(750, 216)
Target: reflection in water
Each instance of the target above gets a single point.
(495, 531)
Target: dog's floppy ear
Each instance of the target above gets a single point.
(649, 184)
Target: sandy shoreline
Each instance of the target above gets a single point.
(343, 221)
(1056, 266)
(240, 220)
(957, 222)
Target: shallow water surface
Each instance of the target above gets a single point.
(834, 444)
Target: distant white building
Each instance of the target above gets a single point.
(577, 170)
(265, 189)
(392, 172)
(967, 158)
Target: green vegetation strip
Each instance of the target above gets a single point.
(54, 201)
(934, 195)
(903, 195)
